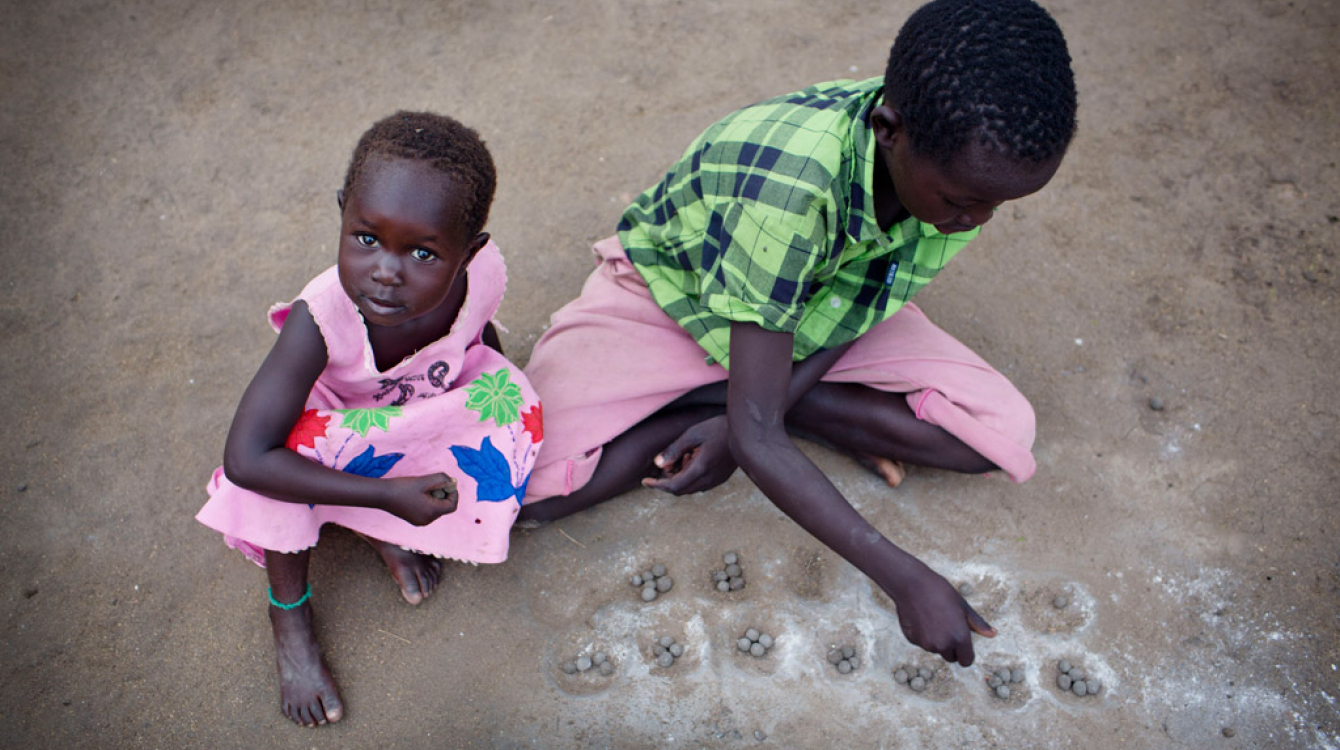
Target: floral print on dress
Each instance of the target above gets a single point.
(363, 420)
(495, 397)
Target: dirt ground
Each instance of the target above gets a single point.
(170, 170)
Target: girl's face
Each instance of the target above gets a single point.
(958, 196)
(402, 243)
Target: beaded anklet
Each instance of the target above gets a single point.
(295, 605)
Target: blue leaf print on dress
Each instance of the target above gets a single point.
(491, 472)
(366, 464)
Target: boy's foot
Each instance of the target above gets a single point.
(891, 471)
(417, 574)
(307, 691)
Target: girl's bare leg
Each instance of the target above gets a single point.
(416, 574)
(624, 463)
(307, 691)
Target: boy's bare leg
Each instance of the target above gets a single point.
(416, 574)
(880, 430)
(624, 463)
(307, 691)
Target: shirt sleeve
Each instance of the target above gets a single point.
(760, 259)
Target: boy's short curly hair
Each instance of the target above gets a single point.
(995, 70)
(444, 144)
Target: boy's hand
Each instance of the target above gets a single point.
(697, 460)
(421, 500)
(935, 617)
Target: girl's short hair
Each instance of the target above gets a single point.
(441, 142)
(994, 70)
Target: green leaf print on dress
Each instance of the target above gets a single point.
(362, 420)
(493, 395)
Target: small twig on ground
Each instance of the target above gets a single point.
(574, 541)
(393, 635)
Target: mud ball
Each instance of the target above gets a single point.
(757, 649)
(924, 673)
(658, 570)
(667, 641)
(900, 676)
(657, 649)
(649, 594)
(1061, 601)
(834, 657)
(731, 558)
(569, 667)
(752, 634)
(606, 668)
(1017, 674)
(1156, 403)
(765, 640)
(844, 667)
(664, 584)
(1063, 681)
(636, 580)
(1003, 692)
(965, 589)
(583, 663)
(743, 644)
(723, 586)
(1063, 666)
(666, 659)
(676, 650)
(731, 573)
(736, 583)
(917, 683)
(1079, 687)
(1095, 685)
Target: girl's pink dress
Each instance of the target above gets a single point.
(457, 406)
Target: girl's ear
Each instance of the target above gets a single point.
(475, 246)
(339, 198)
(887, 124)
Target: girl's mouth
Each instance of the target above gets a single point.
(382, 307)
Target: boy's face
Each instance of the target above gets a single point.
(402, 243)
(954, 197)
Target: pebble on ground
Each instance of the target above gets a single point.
(665, 650)
(754, 642)
(1070, 678)
(599, 661)
(844, 659)
(730, 577)
(915, 678)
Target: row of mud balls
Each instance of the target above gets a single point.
(653, 582)
(844, 659)
(600, 661)
(1074, 679)
(731, 576)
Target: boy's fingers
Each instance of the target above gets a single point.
(979, 625)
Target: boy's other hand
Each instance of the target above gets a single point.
(697, 460)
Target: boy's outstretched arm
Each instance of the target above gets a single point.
(932, 614)
(256, 458)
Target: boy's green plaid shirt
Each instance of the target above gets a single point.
(769, 218)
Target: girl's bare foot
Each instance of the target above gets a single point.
(891, 471)
(416, 574)
(307, 691)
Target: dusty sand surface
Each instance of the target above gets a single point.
(170, 169)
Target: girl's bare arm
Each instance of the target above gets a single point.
(255, 456)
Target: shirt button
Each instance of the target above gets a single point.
(835, 303)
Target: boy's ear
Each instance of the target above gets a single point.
(478, 244)
(887, 124)
(339, 198)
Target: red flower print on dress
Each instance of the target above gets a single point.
(533, 422)
(307, 430)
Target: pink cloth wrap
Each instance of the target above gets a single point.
(611, 358)
(456, 406)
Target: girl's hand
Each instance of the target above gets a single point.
(421, 500)
(935, 617)
(697, 460)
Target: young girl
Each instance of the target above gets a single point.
(386, 405)
(762, 288)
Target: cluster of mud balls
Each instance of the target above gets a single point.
(1000, 681)
(917, 678)
(844, 658)
(654, 581)
(666, 650)
(754, 642)
(599, 661)
(731, 576)
(1074, 679)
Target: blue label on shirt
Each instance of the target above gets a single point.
(893, 271)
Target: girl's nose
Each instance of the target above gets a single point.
(387, 270)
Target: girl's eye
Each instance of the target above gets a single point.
(421, 254)
(366, 240)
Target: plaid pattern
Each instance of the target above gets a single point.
(769, 218)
